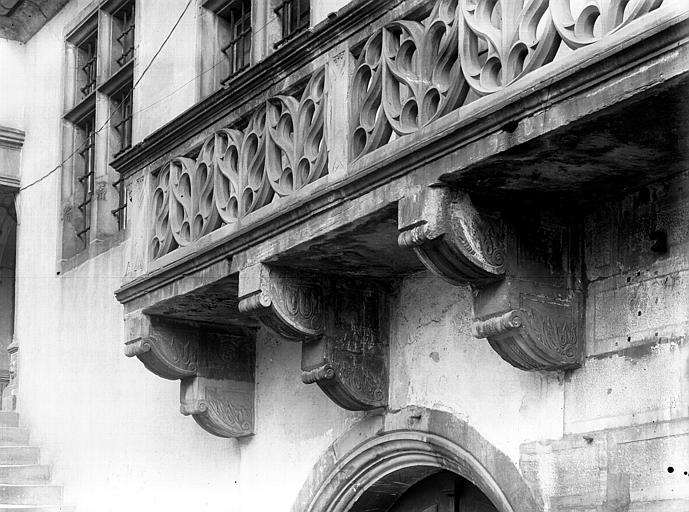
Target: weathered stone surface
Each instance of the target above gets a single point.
(215, 365)
(639, 385)
(612, 470)
(342, 323)
(533, 315)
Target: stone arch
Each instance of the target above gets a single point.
(385, 454)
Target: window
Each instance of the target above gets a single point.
(295, 16)
(98, 120)
(123, 34)
(87, 65)
(225, 40)
(86, 165)
(238, 49)
(121, 121)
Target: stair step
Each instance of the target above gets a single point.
(9, 419)
(36, 508)
(14, 436)
(27, 494)
(24, 474)
(19, 455)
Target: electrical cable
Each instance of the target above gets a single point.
(131, 91)
(83, 145)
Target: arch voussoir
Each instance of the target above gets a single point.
(384, 455)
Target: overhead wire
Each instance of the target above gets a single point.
(124, 98)
(131, 91)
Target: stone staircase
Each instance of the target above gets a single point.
(24, 483)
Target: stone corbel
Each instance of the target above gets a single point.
(340, 322)
(215, 367)
(528, 301)
(283, 301)
(450, 237)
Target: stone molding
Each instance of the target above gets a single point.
(369, 454)
(11, 137)
(215, 367)
(341, 322)
(451, 238)
(528, 303)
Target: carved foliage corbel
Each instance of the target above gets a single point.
(215, 366)
(284, 302)
(340, 322)
(528, 302)
(350, 361)
(169, 352)
(450, 237)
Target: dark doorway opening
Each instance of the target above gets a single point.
(443, 491)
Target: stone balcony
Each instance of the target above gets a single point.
(464, 138)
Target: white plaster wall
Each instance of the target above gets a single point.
(435, 362)
(295, 423)
(11, 84)
(170, 85)
(111, 431)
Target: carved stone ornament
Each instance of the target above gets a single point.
(350, 361)
(528, 301)
(240, 169)
(413, 71)
(216, 368)
(341, 322)
(450, 237)
(283, 302)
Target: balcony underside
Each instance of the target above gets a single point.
(604, 155)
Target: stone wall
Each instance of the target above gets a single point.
(625, 412)
(601, 437)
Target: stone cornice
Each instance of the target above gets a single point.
(11, 137)
(291, 57)
(609, 60)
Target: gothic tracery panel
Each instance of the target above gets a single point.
(413, 71)
(406, 76)
(280, 150)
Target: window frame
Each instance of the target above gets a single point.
(92, 210)
(290, 25)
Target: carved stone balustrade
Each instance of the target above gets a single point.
(473, 133)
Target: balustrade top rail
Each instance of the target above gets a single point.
(407, 73)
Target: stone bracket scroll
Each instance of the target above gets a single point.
(528, 301)
(350, 361)
(340, 321)
(215, 367)
(283, 301)
(450, 237)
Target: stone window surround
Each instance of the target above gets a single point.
(212, 68)
(114, 78)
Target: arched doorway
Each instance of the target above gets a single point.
(443, 491)
(378, 463)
